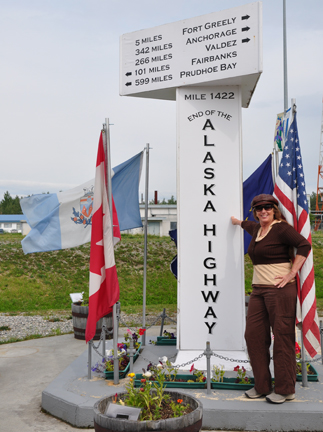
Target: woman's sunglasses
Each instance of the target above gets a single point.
(266, 207)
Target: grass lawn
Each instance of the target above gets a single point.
(39, 283)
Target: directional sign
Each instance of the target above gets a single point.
(221, 48)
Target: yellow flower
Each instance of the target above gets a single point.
(131, 375)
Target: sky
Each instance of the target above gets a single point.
(59, 81)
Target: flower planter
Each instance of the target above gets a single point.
(122, 374)
(161, 340)
(230, 383)
(191, 422)
(80, 314)
(176, 384)
(313, 376)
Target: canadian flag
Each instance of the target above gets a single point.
(104, 286)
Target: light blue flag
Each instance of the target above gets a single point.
(125, 185)
(64, 220)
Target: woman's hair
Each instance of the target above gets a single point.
(277, 214)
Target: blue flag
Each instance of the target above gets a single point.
(64, 220)
(125, 186)
(261, 181)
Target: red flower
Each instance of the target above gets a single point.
(243, 369)
(142, 389)
(297, 348)
(179, 401)
(204, 379)
(143, 380)
(192, 368)
(141, 331)
(236, 368)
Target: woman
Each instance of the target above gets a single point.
(272, 303)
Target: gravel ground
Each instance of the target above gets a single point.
(21, 326)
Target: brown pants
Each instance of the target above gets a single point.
(275, 308)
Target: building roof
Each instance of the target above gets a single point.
(12, 218)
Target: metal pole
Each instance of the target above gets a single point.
(131, 353)
(285, 58)
(162, 322)
(109, 192)
(208, 353)
(103, 340)
(106, 146)
(89, 360)
(115, 344)
(108, 170)
(304, 368)
(143, 338)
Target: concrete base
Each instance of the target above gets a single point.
(71, 397)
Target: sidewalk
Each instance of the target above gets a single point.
(43, 367)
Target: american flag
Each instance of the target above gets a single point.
(291, 193)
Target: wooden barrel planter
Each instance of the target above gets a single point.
(191, 422)
(80, 314)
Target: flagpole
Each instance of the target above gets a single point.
(106, 143)
(285, 58)
(143, 337)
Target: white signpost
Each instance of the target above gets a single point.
(210, 65)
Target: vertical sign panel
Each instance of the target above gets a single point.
(211, 273)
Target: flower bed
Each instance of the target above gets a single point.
(168, 338)
(312, 374)
(109, 374)
(231, 383)
(178, 381)
(161, 340)
(170, 376)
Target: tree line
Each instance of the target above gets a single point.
(10, 205)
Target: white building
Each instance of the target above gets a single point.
(14, 223)
(161, 219)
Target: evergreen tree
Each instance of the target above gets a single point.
(10, 205)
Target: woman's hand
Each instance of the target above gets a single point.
(235, 221)
(297, 264)
(284, 279)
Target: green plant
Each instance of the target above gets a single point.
(134, 336)
(218, 373)
(169, 335)
(152, 399)
(199, 375)
(241, 375)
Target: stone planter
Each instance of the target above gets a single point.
(80, 314)
(191, 422)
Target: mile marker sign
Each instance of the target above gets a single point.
(210, 65)
(221, 48)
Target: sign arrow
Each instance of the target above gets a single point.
(128, 73)
(128, 84)
(245, 28)
(245, 17)
(245, 40)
